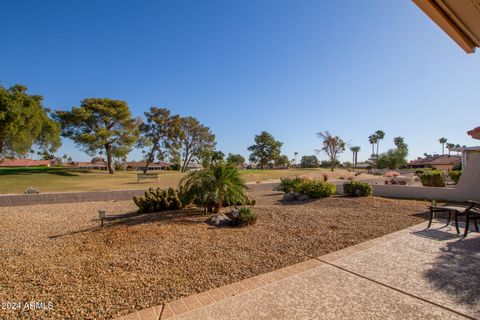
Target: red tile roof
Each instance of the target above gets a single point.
(436, 160)
(24, 163)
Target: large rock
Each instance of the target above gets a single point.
(219, 220)
(288, 197)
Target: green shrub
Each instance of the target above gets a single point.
(432, 178)
(244, 201)
(157, 200)
(315, 188)
(455, 175)
(289, 184)
(419, 171)
(357, 189)
(245, 216)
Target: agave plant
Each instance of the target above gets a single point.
(213, 186)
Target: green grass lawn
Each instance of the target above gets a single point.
(16, 180)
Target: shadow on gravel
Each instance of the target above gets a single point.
(186, 216)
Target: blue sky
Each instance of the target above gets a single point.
(292, 68)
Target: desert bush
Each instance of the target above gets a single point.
(455, 175)
(418, 172)
(315, 188)
(357, 189)
(432, 178)
(31, 190)
(156, 200)
(288, 184)
(244, 216)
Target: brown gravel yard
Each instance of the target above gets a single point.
(57, 253)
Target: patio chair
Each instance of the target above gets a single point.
(471, 211)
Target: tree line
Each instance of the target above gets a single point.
(99, 125)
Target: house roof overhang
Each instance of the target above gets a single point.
(475, 133)
(460, 19)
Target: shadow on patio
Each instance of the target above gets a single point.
(456, 271)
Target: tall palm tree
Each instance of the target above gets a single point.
(214, 185)
(442, 141)
(295, 153)
(373, 140)
(399, 142)
(380, 135)
(450, 146)
(355, 150)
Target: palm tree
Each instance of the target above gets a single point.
(399, 142)
(373, 140)
(214, 185)
(295, 153)
(355, 150)
(450, 146)
(442, 141)
(380, 135)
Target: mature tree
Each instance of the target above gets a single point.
(160, 134)
(442, 141)
(65, 157)
(265, 150)
(211, 156)
(394, 158)
(235, 160)
(295, 159)
(332, 146)
(380, 135)
(101, 124)
(195, 139)
(45, 155)
(25, 123)
(309, 162)
(355, 150)
(282, 161)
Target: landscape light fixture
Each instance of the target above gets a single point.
(101, 215)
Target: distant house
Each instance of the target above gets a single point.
(99, 165)
(439, 162)
(140, 165)
(12, 163)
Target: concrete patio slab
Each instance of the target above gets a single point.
(415, 273)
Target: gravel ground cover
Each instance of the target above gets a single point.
(58, 253)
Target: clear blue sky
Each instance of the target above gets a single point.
(292, 68)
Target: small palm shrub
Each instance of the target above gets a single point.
(357, 189)
(432, 178)
(455, 175)
(213, 186)
(244, 216)
(157, 200)
(31, 190)
(315, 188)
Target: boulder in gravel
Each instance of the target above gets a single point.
(219, 220)
(288, 197)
